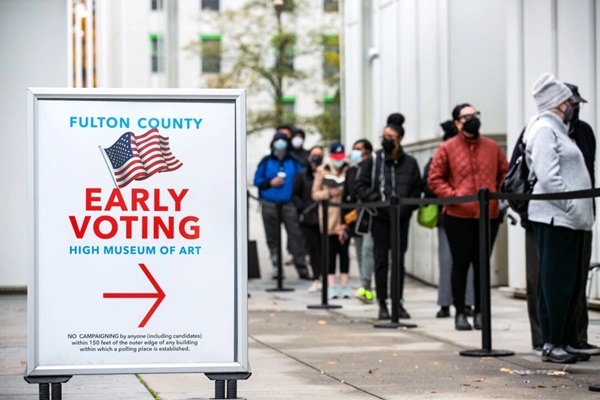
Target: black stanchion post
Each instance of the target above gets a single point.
(279, 287)
(324, 259)
(486, 350)
(395, 278)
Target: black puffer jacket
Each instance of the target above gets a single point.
(301, 196)
(400, 175)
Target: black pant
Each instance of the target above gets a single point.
(312, 238)
(463, 238)
(560, 255)
(532, 272)
(336, 248)
(581, 308)
(382, 241)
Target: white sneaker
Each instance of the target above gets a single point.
(314, 287)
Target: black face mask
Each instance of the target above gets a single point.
(316, 160)
(472, 126)
(388, 145)
(574, 121)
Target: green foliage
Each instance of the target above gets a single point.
(258, 48)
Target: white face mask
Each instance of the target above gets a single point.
(297, 142)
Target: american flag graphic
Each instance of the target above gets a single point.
(137, 157)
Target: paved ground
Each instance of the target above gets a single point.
(299, 353)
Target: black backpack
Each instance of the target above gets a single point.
(517, 179)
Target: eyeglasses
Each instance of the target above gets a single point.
(469, 117)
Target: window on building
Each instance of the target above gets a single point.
(289, 110)
(287, 42)
(157, 53)
(211, 53)
(156, 5)
(331, 55)
(209, 5)
(330, 5)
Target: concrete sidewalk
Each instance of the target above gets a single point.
(300, 353)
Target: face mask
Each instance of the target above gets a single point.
(297, 142)
(338, 163)
(472, 126)
(569, 112)
(280, 144)
(388, 145)
(316, 160)
(575, 117)
(355, 156)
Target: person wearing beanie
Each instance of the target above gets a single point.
(555, 163)
(274, 179)
(461, 166)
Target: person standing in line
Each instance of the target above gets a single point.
(585, 139)
(308, 217)
(396, 174)
(444, 299)
(461, 166)
(274, 179)
(328, 185)
(363, 240)
(285, 129)
(555, 164)
(297, 150)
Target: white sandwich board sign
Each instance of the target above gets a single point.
(137, 239)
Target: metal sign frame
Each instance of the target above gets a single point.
(39, 363)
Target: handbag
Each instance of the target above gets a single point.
(427, 216)
(364, 221)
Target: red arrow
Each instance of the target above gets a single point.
(159, 295)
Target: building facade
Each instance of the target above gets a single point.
(131, 44)
(422, 57)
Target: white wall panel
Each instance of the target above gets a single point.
(388, 57)
(477, 59)
(34, 53)
(408, 65)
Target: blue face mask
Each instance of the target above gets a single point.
(338, 163)
(280, 144)
(355, 156)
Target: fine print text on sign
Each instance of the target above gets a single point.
(140, 264)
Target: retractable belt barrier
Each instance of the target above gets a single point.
(483, 197)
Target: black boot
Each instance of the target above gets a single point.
(383, 311)
(477, 321)
(303, 272)
(443, 313)
(461, 323)
(402, 313)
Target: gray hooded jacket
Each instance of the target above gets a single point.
(557, 163)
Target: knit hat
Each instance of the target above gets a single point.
(549, 92)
